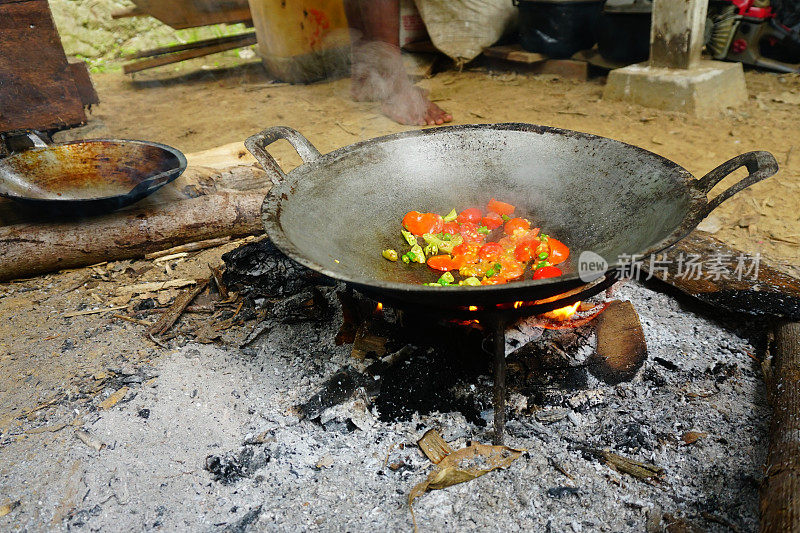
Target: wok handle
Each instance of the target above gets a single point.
(760, 165)
(257, 145)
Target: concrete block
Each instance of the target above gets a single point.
(708, 87)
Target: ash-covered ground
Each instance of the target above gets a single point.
(211, 439)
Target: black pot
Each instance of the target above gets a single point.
(623, 34)
(558, 28)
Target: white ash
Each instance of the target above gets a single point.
(354, 471)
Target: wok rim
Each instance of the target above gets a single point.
(182, 165)
(270, 215)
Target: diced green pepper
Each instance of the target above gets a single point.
(483, 229)
(506, 218)
(446, 279)
(446, 237)
(451, 216)
(418, 254)
(444, 246)
(490, 273)
(543, 256)
(390, 254)
(405, 258)
(498, 267)
(410, 239)
(541, 264)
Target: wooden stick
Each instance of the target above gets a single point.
(145, 64)
(31, 249)
(93, 311)
(780, 489)
(190, 247)
(175, 311)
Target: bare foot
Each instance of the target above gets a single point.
(410, 105)
(377, 74)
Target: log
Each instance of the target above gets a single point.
(780, 488)
(30, 249)
(621, 347)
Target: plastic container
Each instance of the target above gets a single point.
(301, 41)
(558, 28)
(623, 34)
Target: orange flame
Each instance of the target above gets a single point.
(563, 313)
(473, 307)
(380, 307)
(518, 304)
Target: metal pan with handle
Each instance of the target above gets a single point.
(336, 212)
(88, 176)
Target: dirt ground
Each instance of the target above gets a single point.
(53, 369)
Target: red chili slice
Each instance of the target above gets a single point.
(547, 272)
(473, 214)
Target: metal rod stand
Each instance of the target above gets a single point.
(499, 401)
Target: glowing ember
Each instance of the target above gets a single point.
(563, 313)
(517, 305)
(473, 307)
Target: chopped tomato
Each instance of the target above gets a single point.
(466, 253)
(443, 263)
(547, 272)
(515, 224)
(473, 214)
(511, 269)
(501, 208)
(490, 250)
(524, 251)
(558, 251)
(420, 223)
(451, 227)
(492, 221)
(469, 231)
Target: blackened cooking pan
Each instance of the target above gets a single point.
(336, 212)
(88, 176)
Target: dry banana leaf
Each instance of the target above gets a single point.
(458, 466)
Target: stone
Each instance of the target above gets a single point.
(706, 88)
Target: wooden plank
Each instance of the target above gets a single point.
(130, 68)
(767, 292)
(535, 63)
(187, 46)
(180, 14)
(676, 34)
(83, 82)
(37, 90)
(514, 53)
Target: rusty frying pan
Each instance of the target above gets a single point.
(337, 211)
(88, 176)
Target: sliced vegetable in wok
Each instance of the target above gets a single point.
(484, 248)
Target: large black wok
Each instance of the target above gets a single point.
(336, 212)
